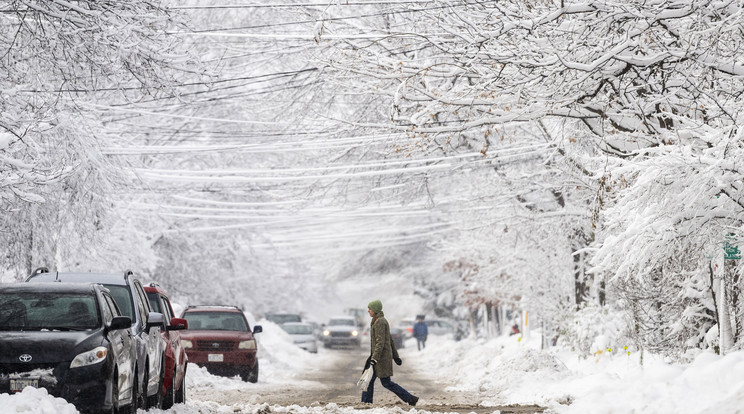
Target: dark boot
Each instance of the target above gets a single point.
(413, 401)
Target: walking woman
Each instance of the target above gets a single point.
(383, 353)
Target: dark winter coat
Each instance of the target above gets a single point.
(383, 348)
(420, 330)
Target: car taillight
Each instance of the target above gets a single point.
(410, 330)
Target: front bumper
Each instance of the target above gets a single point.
(85, 387)
(231, 363)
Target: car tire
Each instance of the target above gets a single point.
(136, 397)
(170, 394)
(180, 395)
(156, 401)
(142, 397)
(250, 375)
(115, 409)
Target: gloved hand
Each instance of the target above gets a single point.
(398, 361)
(367, 363)
(372, 362)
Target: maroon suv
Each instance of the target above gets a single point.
(174, 380)
(220, 339)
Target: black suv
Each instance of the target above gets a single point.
(131, 298)
(70, 339)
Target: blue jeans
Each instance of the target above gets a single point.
(387, 383)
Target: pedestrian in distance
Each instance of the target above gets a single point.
(381, 357)
(420, 332)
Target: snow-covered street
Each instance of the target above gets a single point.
(503, 375)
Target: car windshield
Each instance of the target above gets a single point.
(123, 298)
(341, 322)
(298, 329)
(280, 319)
(22, 311)
(215, 321)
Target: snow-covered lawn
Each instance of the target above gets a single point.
(501, 371)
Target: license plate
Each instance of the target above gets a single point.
(17, 385)
(215, 357)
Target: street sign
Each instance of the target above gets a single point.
(730, 249)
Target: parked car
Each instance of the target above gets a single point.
(220, 339)
(406, 327)
(341, 330)
(131, 299)
(302, 335)
(282, 318)
(70, 339)
(174, 381)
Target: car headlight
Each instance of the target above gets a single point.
(187, 344)
(354, 333)
(326, 332)
(91, 357)
(247, 344)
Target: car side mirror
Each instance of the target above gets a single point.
(155, 319)
(119, 322)
(178, 324)
(257, 329)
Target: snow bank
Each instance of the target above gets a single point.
(507, 371)
(35, 401)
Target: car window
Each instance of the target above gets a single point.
(113, 307)
(48, 310)
(280, 319)
(216, 321)
(341, 322)
(154, 299)
(166, 309)
(143, 305)
(298, 329)
(123, 298)
(106, 310)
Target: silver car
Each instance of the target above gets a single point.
(341, 330)
(303, 335)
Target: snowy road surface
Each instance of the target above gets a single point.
(326, 384)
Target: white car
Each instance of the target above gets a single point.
(302, 335)
(342, 330)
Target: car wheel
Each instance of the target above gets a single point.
(136, 397)
(142, 397)
(156, 401)
(170, 394)
(181, 392)
(115, 409)
(250, 375)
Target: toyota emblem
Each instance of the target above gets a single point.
(25, 358)
(215, 345)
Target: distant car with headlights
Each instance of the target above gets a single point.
(174, 380)
(220, 339)
(303, 335)
(70, 339)
(341, 331)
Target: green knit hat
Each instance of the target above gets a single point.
(375, 306)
